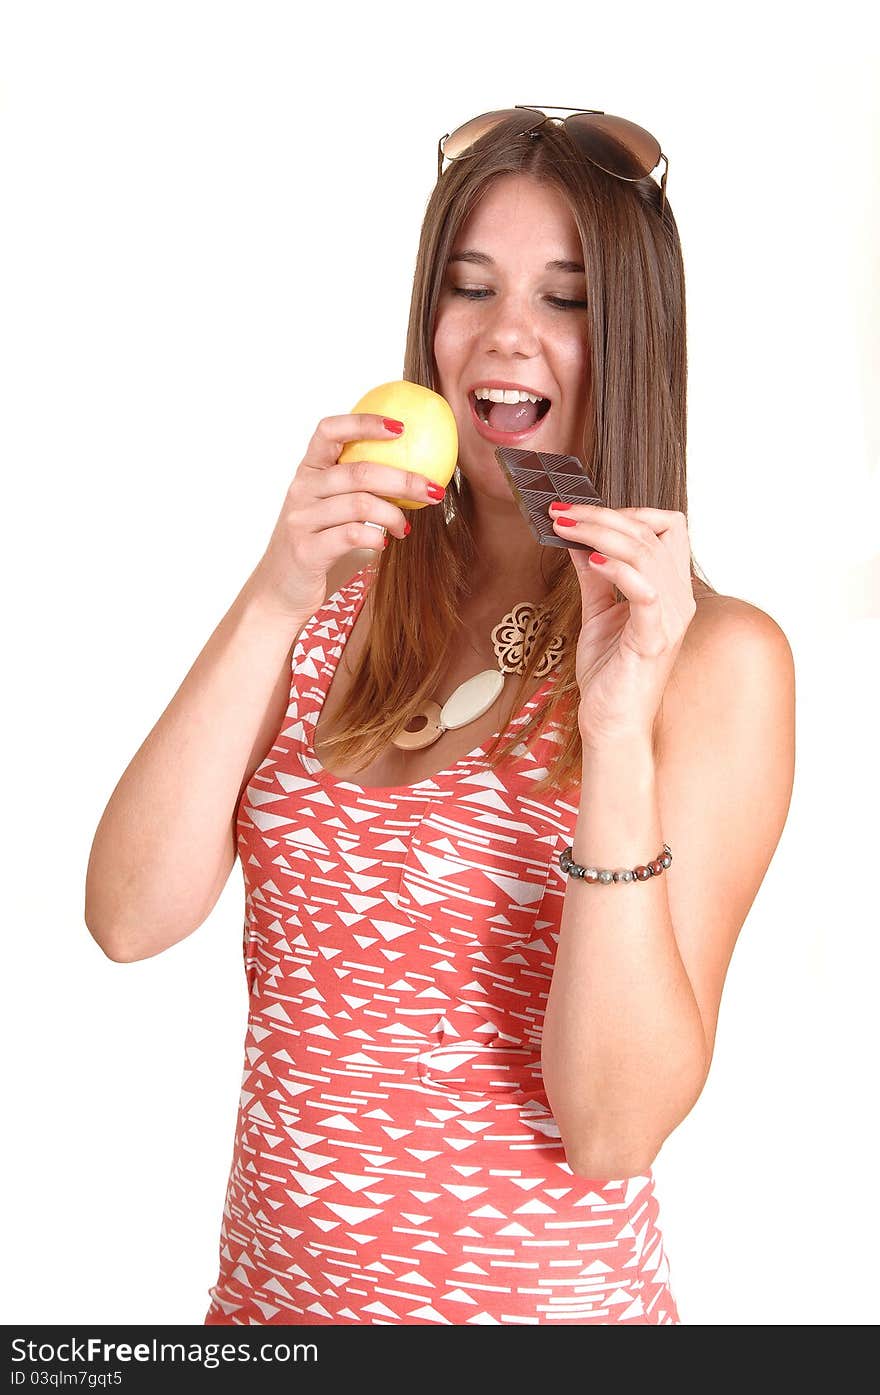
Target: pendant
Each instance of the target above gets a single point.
(513, 641)
(469, 701)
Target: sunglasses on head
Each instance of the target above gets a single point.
(615, 145)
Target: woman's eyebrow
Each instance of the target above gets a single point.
(483, 259)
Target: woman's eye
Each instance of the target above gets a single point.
(554, 300)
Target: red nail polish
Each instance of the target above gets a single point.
(557, 504)
(565, 520)
(597, 557)
(436, 491)
(391, 425)
(407, 529)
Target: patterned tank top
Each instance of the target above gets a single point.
(395, 1157)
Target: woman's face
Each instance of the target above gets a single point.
(510, 318)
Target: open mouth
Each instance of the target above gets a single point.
(510, 416)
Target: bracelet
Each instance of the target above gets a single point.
(632, 874)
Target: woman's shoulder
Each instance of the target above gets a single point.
(733, 654)
(728, 620)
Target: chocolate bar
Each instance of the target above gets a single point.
(536, 478)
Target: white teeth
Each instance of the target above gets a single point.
(486, 394)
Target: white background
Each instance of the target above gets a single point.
(210, 215)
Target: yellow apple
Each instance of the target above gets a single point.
(429, 443)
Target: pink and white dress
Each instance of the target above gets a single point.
(395, 1157)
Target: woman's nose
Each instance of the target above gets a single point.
(511, 324)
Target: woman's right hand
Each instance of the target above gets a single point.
(327, 511)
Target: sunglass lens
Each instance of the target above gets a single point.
(472, 131)
(617, 146)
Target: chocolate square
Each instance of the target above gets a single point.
(536, 478)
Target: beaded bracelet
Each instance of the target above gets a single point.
(634, 874)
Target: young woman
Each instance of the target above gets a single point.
(484, 959)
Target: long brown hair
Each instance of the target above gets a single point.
(634, 446)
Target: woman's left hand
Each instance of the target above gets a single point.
(627, 649)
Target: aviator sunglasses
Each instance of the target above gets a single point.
(615, 145)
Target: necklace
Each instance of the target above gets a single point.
(513, 641)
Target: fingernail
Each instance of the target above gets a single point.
(391, 425)
(597, 557)
(407, 529)
(436, 491)
(565, 520)
(385, 543)
(557, 505)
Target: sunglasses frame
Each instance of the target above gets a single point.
(541, 112)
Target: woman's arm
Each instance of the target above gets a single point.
(164, 847)
(631, 1016)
